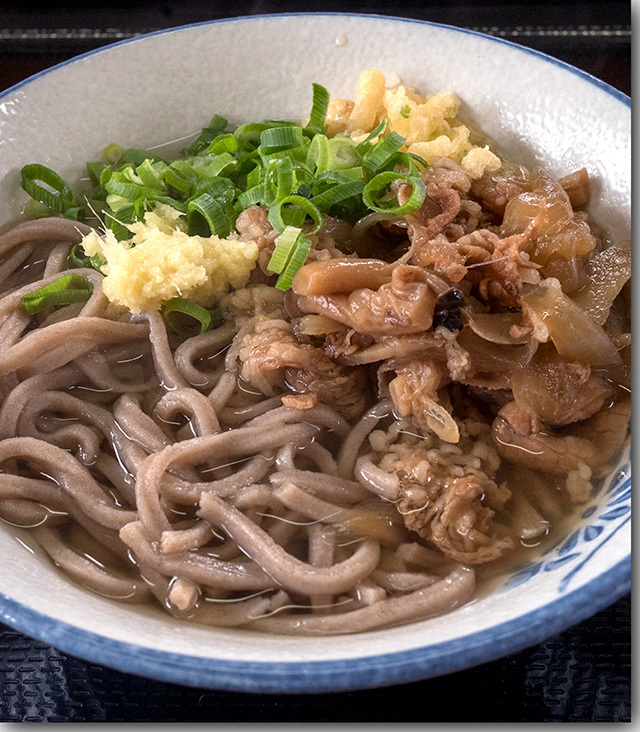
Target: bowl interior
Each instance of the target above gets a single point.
(159, 88)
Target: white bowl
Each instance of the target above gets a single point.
(162, 86)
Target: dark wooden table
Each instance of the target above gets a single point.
(582, 674)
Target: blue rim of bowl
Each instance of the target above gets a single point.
(340, 674)
(612, 91)
(327, 676)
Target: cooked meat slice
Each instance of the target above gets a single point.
(414, 391)
(496, 266)
(402, 306)
(521, 437)
(272, 358)
(443, 257)
(252, 224)
(455, 518)
(345, 342)
(495, 191)
(429, 248)
(559, 392)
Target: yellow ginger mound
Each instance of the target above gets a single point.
(161, 261)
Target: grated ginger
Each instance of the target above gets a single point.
(161, 261)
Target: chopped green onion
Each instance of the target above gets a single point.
(278, 139)
(337, 194)
(343, 153)
(221, 164)
(379, 155)
(276, 212)
(35, 210)
(118, 223)
(95, 171)
(405, 111)
(66, 290)
(249, 134)
(318, 153)
(363, 146)
(151, 174)
(120, 185)
(255, 176)
(112, 154)
(222, 144)
(221, 188)
(284, 171)
(206, 216)
(341, 176)
(417, 159)
(135, 156)
(181, 176)
(187, 318)
(296, 260)
(82, 261)
(379, 185)
(284, 246)
(215, 128)
(59, 201)
(251, 197)
(318, 114)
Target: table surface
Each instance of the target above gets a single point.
(582, 674)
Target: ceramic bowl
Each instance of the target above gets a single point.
(163, 86)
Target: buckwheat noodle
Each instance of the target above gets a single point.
(147, 475)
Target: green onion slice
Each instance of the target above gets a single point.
(186, 318)
(181, 176)
(363, 146)
(277, 213)
(379, 185)
(119, 184)
(220, 165)
(65, 290)
(151, 174)
(284, 246)
(318, 153)
(95, 171)
(343, 153)
(112, 154)
(34, 174)
(319, 108)
(382, 152)
(338, 193)
(206, 216)
(251, 197)
(296, 260)
(284, 172)
(135, 156)
(278, 139)
(79, 260)
(223, 143)
(249, 133)
(255, 176)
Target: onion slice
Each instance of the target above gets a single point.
(495, 327)
(608, 272)
(576, 335)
